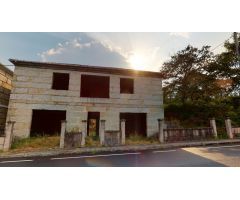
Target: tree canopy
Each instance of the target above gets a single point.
(187, 77)
(199, 85)
(193, 74)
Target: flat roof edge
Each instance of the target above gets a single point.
(85, 68)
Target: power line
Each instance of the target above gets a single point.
(221, 43)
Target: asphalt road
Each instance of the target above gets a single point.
(214, 156)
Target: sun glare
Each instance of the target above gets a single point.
(137, 62)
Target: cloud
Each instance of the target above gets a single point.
(87, 51)
(180, 34)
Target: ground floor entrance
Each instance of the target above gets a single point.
(47, 122)
(93, 124)
(135, 123)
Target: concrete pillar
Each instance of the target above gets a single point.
(160, 130)
(84, 132)
(123, 131)
(214, 127)
(63, 131)
(8, 135)
(102, 131)
(229, 128)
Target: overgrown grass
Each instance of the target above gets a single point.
(137, 139)
(36, 143)
(222, 135)
(92, 142)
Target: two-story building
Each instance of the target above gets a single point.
(43, 94)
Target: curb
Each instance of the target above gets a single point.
(57, 152)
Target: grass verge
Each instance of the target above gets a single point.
(35, 143)
(92, 142)
(137, 139)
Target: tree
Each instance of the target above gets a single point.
(187, 77)
(225, 67)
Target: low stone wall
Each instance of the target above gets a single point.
(187, 134)
(112, 138)
(72, 140)
(236, 131)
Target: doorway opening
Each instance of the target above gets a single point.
(93, 124)
(135, 123)
(47, 122)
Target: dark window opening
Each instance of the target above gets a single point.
(135, 123)
(47, 122)
(60, 81)
(126, 85)
(94, 86)
(93, 124)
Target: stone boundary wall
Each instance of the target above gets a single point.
(236, 131)
(6, 76)
(187, 134)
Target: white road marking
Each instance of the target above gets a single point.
(220, 147)
(95, 156)
(16, 161)
(164, 151)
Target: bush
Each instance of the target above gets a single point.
(196, 115)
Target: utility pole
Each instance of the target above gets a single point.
(235, 35)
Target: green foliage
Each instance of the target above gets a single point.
(193, 75)
(197, 115)
(187, 78)
(225, 67)
(199, 86)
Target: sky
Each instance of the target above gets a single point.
(142, 51)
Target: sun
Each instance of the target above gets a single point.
(137, 61)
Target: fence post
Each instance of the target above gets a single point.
(8, 135)
(102, 131)
(160, 130)
(84, 132)
(229, 127)
(63, 131)
(123, 131)
(214, 127)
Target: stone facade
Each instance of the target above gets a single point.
(32, 90)
(5, 90)
(1, 142)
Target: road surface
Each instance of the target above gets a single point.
(213, 156)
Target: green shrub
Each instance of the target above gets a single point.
(198, 114)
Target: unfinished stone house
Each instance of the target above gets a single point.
(5, 90)
(45, 93)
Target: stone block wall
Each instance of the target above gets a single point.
(5, 90)
(32, 90)
(1, 142)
